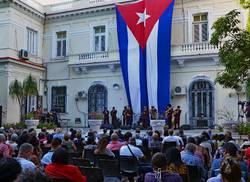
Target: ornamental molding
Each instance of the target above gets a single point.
(80, 13)
(23, 7)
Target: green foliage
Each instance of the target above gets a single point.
(29, 116)
(19, 125)
(245, 3)
(46, 125)
(16, 91)
(243, 128)
(21, 91)
(234, 53)
(30, 86)
(95, 115)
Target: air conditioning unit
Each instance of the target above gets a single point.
(23, 54)
(82, 95)
(180, 90)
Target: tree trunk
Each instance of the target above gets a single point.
(248, 90)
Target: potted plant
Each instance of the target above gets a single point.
(30, 121)
(95, 121)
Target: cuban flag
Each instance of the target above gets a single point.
(144, 36)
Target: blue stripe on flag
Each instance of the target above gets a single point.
(143, 79)
(164, 59)
(123, 45)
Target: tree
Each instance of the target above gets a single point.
(21, 91)
(246, 4)
(234, 52)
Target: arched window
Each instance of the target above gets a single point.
(97, 99)
(201, 103)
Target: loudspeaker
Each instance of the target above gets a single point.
(1, 115)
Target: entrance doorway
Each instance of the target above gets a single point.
(201, 104)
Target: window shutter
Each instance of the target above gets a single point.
(196, 32)
(204, 32)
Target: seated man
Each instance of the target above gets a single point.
(131, 150)
(25, 153)
(188, 156)
(56, 143)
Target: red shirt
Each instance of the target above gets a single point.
(65, 171)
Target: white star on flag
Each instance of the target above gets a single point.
(143, 17)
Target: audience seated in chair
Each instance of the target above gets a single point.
(159, 163)
(56, 143)
(60, 169)
(230, 171)
(175, 164)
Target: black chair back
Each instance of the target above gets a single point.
(117, 153)
(93, 174)
(101, 156)
(81, 162)
(61, 180)
(195, 173)
(109, 167)
(167, 145)
(89, 154)
(129, 165)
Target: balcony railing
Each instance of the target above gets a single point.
(192, 49)
(198, 47)
(185, 50)
(94, 55)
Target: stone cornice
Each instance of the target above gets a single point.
(83, 12)
(21, 6)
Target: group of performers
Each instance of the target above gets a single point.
(171, 116)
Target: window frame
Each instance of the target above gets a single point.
(62, 44)
(93, 35)
(200, 23)
(58, 95)
(32, 41)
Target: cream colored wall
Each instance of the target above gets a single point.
(20, 73)
(13, 30)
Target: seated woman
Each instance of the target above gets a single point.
(159, 163)
(175, 164)
(68, 144)
(59, 168)
(230, 171)
(102, 148)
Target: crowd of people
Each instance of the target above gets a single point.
(168, 157)
(171, 116)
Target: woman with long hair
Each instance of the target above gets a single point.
(102, 149)
(175, 164)
(160, 173)
(230, 171)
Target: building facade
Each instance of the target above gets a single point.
(74, 56)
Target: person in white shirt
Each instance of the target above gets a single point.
(25, 152)
(131, 150)
(172, 138)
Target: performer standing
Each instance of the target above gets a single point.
(153, 113)
(145, 117)
(177, 115)
(124, 120)
(113, 113)
(129, 116)
(106, 116)
(169, 115)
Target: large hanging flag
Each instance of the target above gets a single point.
(144, 35)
